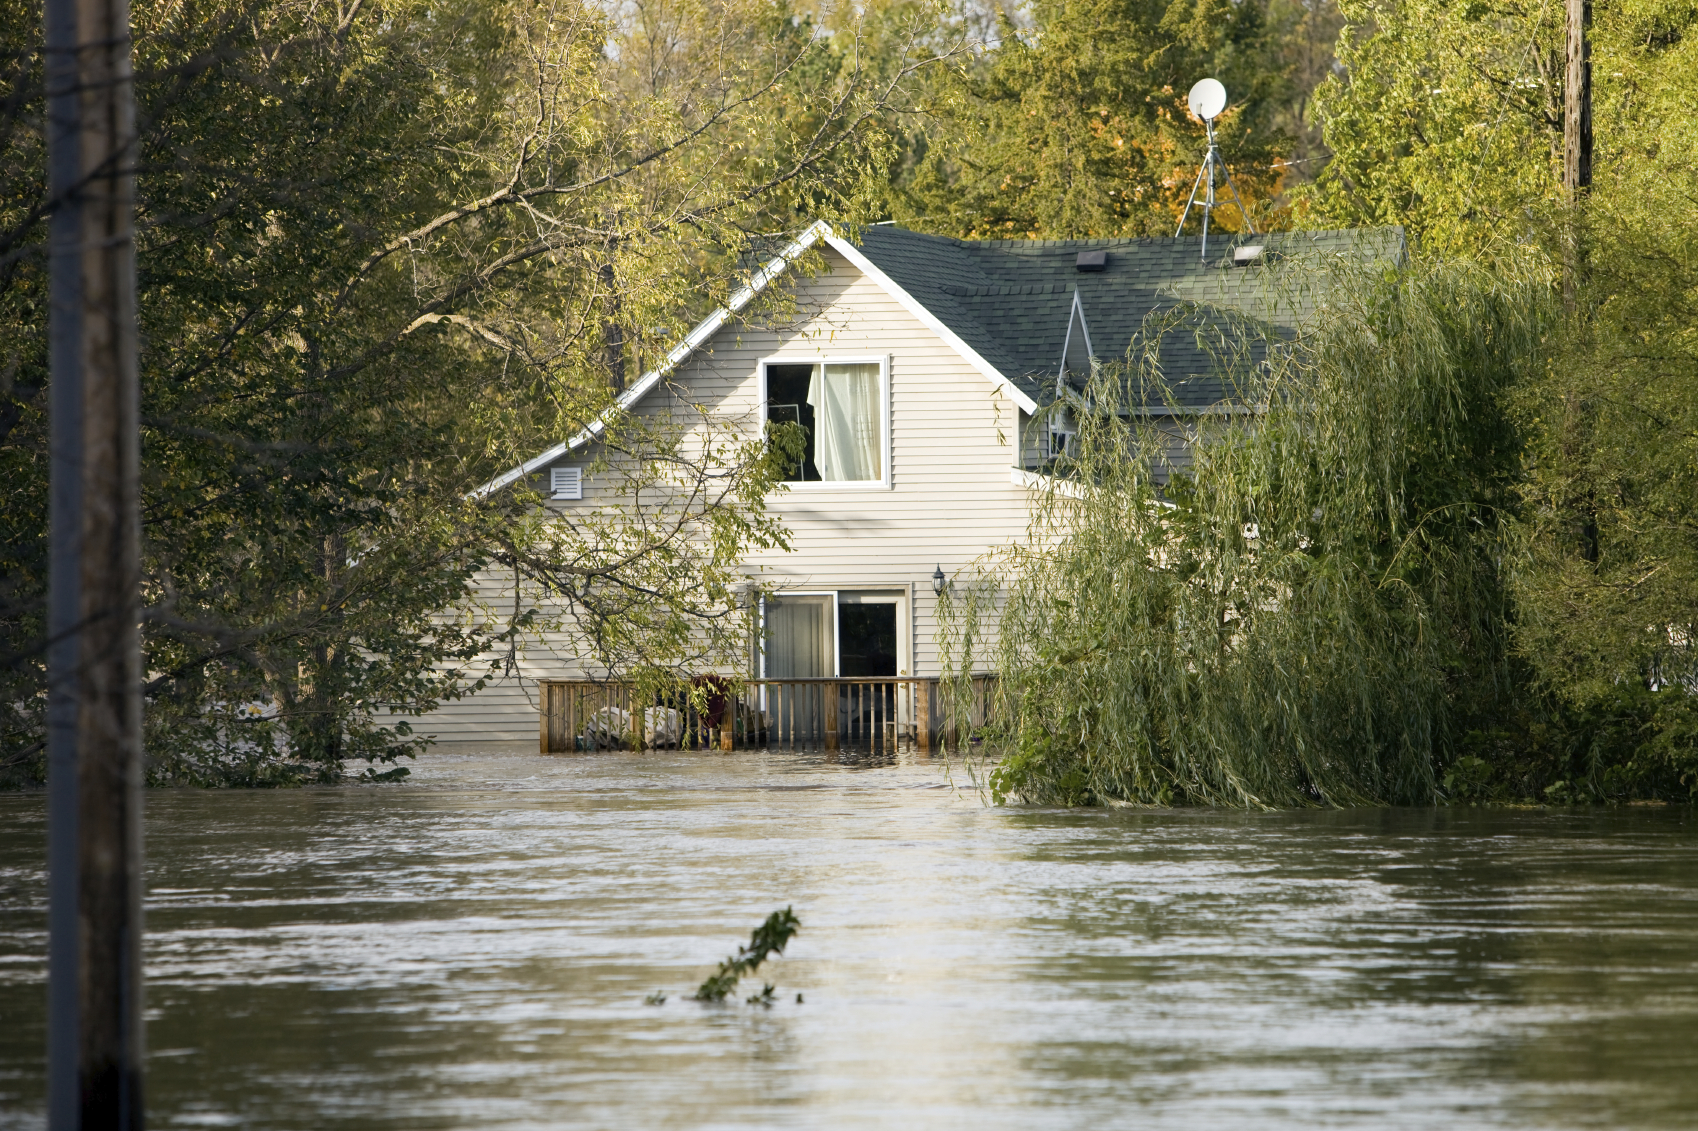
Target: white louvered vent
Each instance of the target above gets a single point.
(568, 482)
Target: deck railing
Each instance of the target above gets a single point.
(871, 715)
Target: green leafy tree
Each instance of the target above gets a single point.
(1447, 119)
(386, 249)
(1609, 588)
(1444, 118)
(1305, 35)
(1077, 126)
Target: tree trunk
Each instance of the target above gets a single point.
(95, 1045)
(613, 331)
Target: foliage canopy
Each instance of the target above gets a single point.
(386, 249)
(1316, 611)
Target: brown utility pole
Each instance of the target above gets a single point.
(1576, 136)
(94, 1037)
(1577, 102)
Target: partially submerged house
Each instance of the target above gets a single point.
(924, 370)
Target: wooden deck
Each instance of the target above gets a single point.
(876, 716)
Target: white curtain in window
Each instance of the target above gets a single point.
(798, 643)
(847, 421)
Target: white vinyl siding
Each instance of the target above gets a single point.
(946, 497)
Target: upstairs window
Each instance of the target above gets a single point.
(840, 405)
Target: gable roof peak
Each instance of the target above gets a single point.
(1005, 306)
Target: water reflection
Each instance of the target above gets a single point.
(472, 950)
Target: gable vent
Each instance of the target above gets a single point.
(1091, 261)
(568, 482)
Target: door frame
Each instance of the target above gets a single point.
(899, 595)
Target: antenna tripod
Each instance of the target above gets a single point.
(1206, 176)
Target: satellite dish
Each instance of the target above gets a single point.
(1207, 99)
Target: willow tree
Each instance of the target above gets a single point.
(1316, 609)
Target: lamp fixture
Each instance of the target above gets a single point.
(939, 582)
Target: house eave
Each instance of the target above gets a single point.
(711, 325)
(693, 341)
(918, 309)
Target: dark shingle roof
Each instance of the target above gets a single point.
(1010, 299)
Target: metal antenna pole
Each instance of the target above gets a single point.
(1202, 171)
(94, 1032)
(1242, 211)
(1206, 181)
(1209, 164)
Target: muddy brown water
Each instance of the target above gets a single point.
(472, 950)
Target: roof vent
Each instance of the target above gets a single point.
(567, 482)
(1246, 255)
(1091, 261)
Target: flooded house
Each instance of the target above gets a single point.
(928, 374)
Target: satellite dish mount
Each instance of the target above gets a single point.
(1207, 99)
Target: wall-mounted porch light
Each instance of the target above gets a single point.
(939, 582)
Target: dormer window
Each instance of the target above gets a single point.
(840, 404)
(1063, 435)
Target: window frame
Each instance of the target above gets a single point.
(902, 596)
(883, 361)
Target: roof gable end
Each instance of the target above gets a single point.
(713, 323)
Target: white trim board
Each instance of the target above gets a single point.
(711, 325)
(1037, 481)
(853, 254)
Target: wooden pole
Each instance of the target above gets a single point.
(1577, 101)
(1576, 137)
(95, 1044)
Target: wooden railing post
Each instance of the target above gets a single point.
(573, 697)
(923, 715)
(542, 723)
(830, 715)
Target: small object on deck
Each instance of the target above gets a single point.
(651, 728)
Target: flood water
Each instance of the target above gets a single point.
(472, 950)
